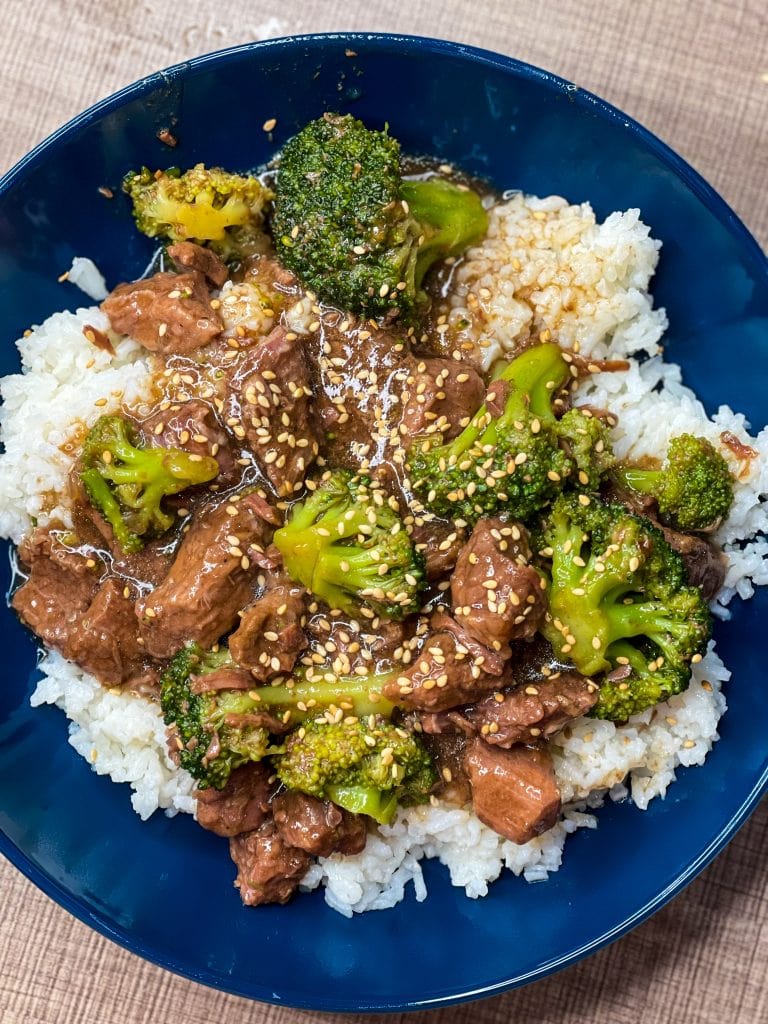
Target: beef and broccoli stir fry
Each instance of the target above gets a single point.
(356, 571)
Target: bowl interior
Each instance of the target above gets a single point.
(164, 888)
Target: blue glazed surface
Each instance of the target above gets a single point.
(164, 889)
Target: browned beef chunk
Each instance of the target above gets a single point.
(514, 791)
(269, 406)
(450, 669)
(440, 544)
(225, 678)
(361, 374)
(269, 273)
(268, 870)
(448, 752)
(60, 579)
(350, 645)
(704, 563)
(317, 826)
(270, 636)
(497, 596)
(90, 527)
(211, 579)
(531, 712)
(193, 427)
(108, 643)
(443, 395)
(165, 313)
(189, 256)
(243, 804)
(148, 566)
(90, 622)
(496, 396)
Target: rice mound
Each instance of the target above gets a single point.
(546, 266)
(119, 735)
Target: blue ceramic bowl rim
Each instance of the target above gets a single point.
(711, 200)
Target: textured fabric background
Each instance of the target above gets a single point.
(694, 72)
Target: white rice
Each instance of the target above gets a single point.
(119, 736)
(546, 266)
(66, 383)
(86, 276)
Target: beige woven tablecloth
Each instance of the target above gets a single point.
(696, 73)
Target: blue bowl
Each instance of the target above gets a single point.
(164, 889)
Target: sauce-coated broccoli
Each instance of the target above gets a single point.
(693, 488)
(352, 230)
(207, 205)
(619, 604)
(211, 742)
(585, 438)
(127, 484)
(366, 765)
(220, 730)
(517, 461)
(349, 547)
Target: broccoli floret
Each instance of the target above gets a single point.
(352, 230)
(211, 744)
(585, 438)
(349, 547)
(364, 765)
(514, 461)
(217, 731)
(693, 488)
(206, 205)
(127, 483)
(618, 601)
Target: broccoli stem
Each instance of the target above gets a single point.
(450, 218)
(379, 805)
(644, 481)
(361, 693)
(644, 619)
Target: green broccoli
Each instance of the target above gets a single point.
(347, 545)
(318, 690)
(210, 743)
(619, 604)
(127, 483)
(348, 225)
(364, 765)
(585, 438)
(693, 488)
(217, 731)
(519, 460)
(207, 205)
